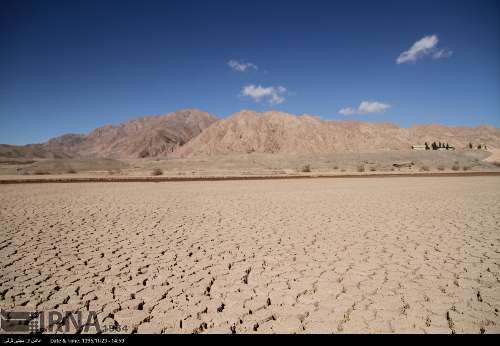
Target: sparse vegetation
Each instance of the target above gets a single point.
(440, 168)
(306, 168)
(373, 169)
(41, 172)
(497, 164)
(425, 168)
(156, 172)
(455, 167)
(361, 168)
(466, 168)
(335, 167)
(71, 171)
(439, 145)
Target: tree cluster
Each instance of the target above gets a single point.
(438, 145)
(479, 146)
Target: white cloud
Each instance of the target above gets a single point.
(274, 95)
(423, 47)
(373, 107)
(241, 66)
(442, 53)
(347, 111)
(366, 107)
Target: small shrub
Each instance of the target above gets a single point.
(361, 169)
(466, 168)
(425, 168)
(440, 168)
(156, 171)
(373, 169)
(71, 171)
(306, 168)
(455, 167)
(497, 164)
(335, 167)
(41, 172)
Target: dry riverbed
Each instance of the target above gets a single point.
(408, 254)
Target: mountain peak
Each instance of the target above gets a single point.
(191, 132)
(249, 131)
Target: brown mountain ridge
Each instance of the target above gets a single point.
(192, 132)
(276, 132)
(148, 136)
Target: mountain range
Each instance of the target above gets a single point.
(192, 132)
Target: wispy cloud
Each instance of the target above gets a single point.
(423, 47)
(241, 66)
(366, 107)
(442, 53)
(273, 94)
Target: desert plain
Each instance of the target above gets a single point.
(339, 255)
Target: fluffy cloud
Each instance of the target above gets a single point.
(241, 66)
(423, 47)
(273, 95)
(347, 111)
(366, 107)
(373, 107)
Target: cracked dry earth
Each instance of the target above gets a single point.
(295, 256)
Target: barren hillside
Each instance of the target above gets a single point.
(276, 132)
(189, 133)
(141, 137)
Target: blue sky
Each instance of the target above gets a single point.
(71, 66)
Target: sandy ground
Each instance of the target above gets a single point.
(494, 157)
(300, 256)
(258, 165)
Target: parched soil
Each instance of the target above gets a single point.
(290, 256)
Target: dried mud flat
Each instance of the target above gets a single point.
(292, 256)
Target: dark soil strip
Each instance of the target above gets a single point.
(224, 178)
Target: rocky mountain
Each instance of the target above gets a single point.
(142, 137)
(189, 133)
(276, 132)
